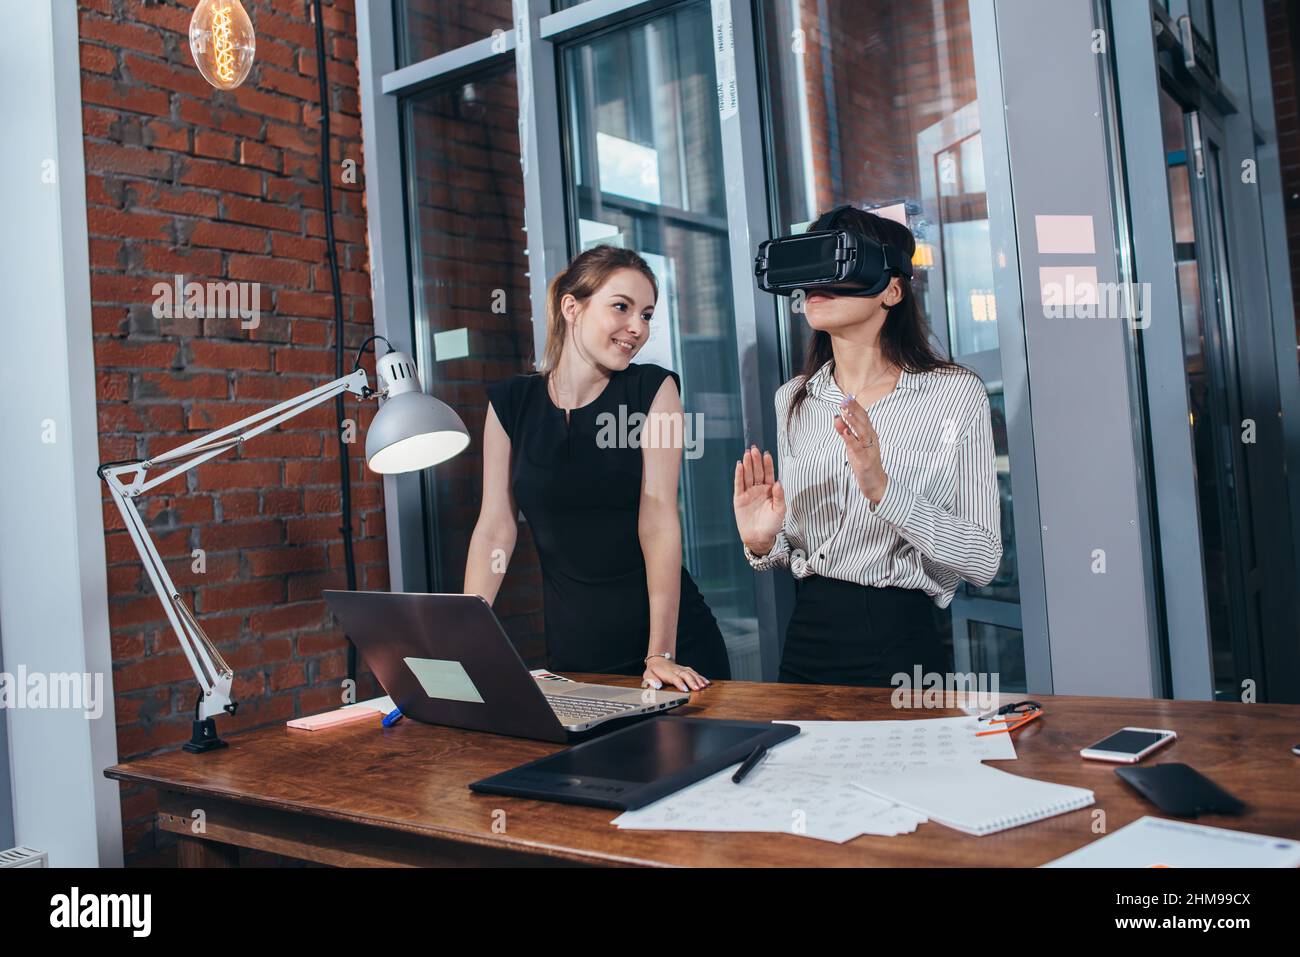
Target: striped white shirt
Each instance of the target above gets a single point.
(939, 520)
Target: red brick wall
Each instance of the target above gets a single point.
(1283, 23)
(181, 178)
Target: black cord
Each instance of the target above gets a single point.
(105, 466)
(362, 350)
(327, 187)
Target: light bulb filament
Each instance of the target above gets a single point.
(223, 46)
(222, 42)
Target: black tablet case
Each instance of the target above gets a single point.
(1181, 790)
(536, 780)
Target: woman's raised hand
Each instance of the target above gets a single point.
(759, 501)
(862, 446)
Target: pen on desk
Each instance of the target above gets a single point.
(749, 764)
(392, 717)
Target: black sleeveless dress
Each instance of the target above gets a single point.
(582, 501)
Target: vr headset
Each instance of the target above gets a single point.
(838, 261)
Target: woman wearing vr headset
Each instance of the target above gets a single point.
(602, 507)
(888, 494)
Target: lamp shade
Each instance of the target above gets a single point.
(411, 430)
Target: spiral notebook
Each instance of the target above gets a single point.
(975, 798)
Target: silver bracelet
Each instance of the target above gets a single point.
(668, 655)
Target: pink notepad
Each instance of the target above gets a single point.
(328, 719)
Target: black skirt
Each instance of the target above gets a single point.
(843, 633)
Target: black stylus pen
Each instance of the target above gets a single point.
(750, 763)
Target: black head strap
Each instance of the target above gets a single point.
(895, 259)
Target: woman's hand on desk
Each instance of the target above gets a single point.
(661, 671)
(862, 447)
(759, 501)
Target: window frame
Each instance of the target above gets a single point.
(534, 42)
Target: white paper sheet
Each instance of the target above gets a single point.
(852, 748)
(1155, 841)
(776, 799)
(806, 785)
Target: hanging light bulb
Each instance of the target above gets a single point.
(222, 41)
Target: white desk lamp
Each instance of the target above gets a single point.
(410, 431)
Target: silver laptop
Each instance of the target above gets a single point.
(445, 659)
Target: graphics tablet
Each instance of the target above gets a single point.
(637, 765)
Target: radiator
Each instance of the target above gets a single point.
(23, 857)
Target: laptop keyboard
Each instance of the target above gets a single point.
(573, 710)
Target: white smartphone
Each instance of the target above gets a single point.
(1128, 745)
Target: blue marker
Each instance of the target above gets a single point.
(392, 717)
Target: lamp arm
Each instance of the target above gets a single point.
(128, 480)
(210, 669)
(214, 443)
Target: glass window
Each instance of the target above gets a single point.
(1200, 398)
(997, 650)
(465, 212)
(882, 111)
(426, 28)
(1006, 584)
(645, 172)
(1202, 14)
(1214, 396)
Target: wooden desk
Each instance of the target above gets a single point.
(363, 795)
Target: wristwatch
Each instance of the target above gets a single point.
(667, 655)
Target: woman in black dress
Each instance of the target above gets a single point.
(601, 503)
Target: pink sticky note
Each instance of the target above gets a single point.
(1072, 235)
(1065, 287)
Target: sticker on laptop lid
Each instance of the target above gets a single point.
(447, 680)
(541, 674)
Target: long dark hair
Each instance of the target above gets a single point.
(905, 337)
